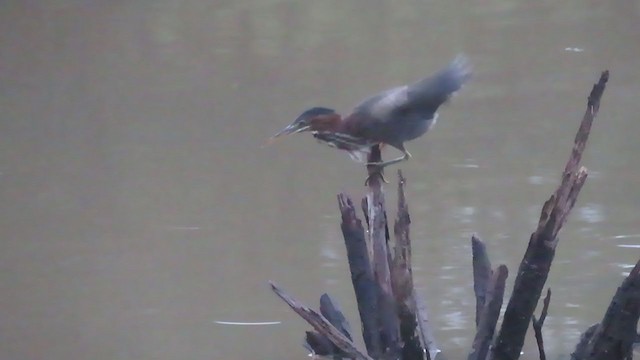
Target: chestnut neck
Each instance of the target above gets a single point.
(326, 123)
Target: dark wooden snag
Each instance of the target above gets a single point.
(488, 286)
(581, 348)
(364, 285)
(330, 309)
(481, 273)
(319, 344)
(402, 283)
(321, 325)
(535, 266)
(379, 238)
(426, 330)
(537, 325)
(375, 176)
(489, 314)
(614, 336)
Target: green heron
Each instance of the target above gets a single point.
(391, 117)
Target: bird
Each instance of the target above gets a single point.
(391, 117)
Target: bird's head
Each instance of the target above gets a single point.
(305, 122)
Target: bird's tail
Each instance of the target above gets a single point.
(438, 88)
(461, 71)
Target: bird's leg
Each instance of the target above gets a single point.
(376, 173)
(384, 164)
(379, 173)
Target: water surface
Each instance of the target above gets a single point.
(138, 207)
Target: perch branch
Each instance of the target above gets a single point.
(379, 236)
(402, 282)
(364, 285)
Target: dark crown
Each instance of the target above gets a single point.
(315, 111)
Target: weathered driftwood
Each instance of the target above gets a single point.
(614, 336)
(488, 286)
(581, 348)
(402, 282)
(402, 330)
(379, 237)
(319, 344)
(426, 330)
(534, 268)
(538, 323)
(364, 285)
(489, 314)
(321, 325)
(481, 273)
(330, 309)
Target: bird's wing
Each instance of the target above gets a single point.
(425, 95)
(431, 92)
(381, 105)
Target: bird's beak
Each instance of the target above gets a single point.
(291, 129)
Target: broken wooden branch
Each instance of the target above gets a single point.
(364, 285)
(321, 325)
(330, 309)
(537, 325)
(317, 343)
(614, 336)
(426, 330)
(581, 347)
(379, 237)
(402, 282)
(489, 314)
(535, 266)
(481, 273)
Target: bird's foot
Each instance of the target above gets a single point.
(377, 168)
(384, 164)
(374, 175)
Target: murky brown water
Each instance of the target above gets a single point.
(138, 206)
